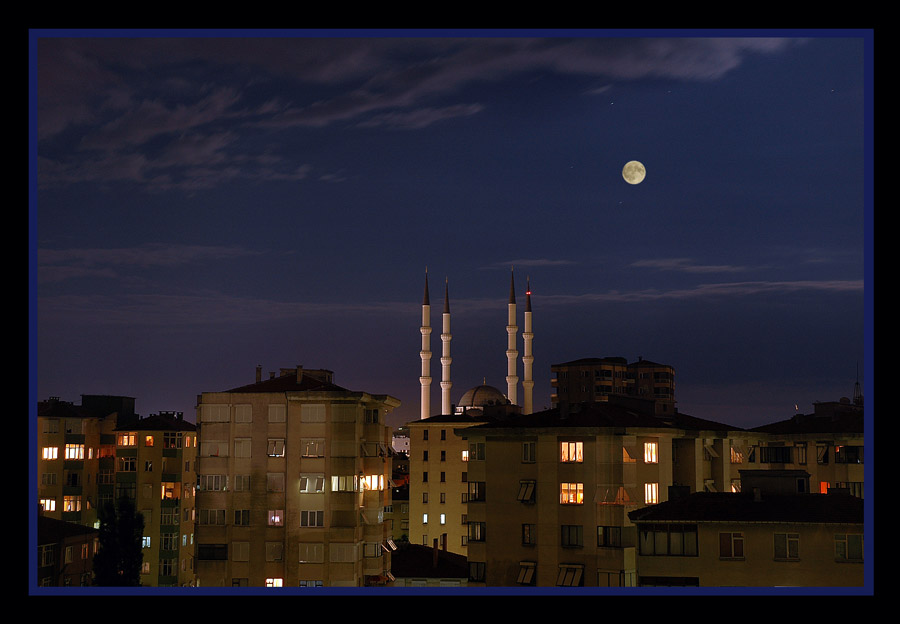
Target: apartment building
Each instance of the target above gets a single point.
(589, 380)
(438, 481)
(155, 465)
(549, 493)
(65, 553)
(827, 443)
(767, 536)
(293, 476)
(76, 454)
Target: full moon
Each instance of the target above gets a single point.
(633, 172)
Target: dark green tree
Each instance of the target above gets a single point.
(118, 560)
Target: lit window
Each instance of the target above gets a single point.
(276, 517)
(74, 451)
(127, 439)
(48, 504)
(571, 452)
(465, 455)
(71, 503)
(424, 518)
(650, 450)
(787, 545)
(651, 493)
(312, 447)
(50, 452)
(373, 482)
(443, 518)
(274, 582)
(148, 440)
(731, 545)
(312, 484)
(571, 493)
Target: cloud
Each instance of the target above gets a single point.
(56, 265)
(529, 262)
(686, 265)
(725, 289)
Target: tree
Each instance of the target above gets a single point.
(118, 560)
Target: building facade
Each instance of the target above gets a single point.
(293, 476)
(155, 465)
(590, 380)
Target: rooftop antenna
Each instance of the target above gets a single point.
(857, 390)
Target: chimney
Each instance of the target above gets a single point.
(434, 559)
(258, 373)
(271, 374)
(444, 542)
(299, 373)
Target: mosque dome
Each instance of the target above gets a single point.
(482, 395)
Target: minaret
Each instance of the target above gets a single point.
(425, 354)
(512, 380)
(528, 358)
(446, 384)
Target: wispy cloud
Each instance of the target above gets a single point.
(144, 118)
(528, 262)
(55, 265)
(686, 265)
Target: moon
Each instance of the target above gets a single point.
(634, 172)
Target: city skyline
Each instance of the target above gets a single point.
(204, 204)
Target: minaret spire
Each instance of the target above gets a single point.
(512, 381)
(425, 354)
(446, 384)
(527, 358)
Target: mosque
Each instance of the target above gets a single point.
(474, 400)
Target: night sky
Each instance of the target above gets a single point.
(205, 204)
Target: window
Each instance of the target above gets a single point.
(49, 452)
(677, 540)
(822, 453)
(275, 482)
(476, 531)
(372, 482)
(275, 447)
(74, 451)
(45, 555)
(801, 452)
(346, 483)
(845, 454)
(148, 440)
(276, 517)
(126, 439)
(48, 504)
(443, 518)
(650, 453)
(241, 483)
(312, 553)
(571, 536)
(529, 534)
(240, 551)
(731, 545)
(312, 447)
(243, 413)
(169, 490)
(168, 541)
(312, 518)
(775, 454)
(609, 536)
(425, 455)
(848, 547)
(476, 451)
(148, 466)
(528, 452)
(526, 573)
(127, 464)
(242, 517)
(274, 582)
(212, 482)
(651, 493)
(476, 491)
(312, 413)
(211, 517)
(424, 518)
(214, 448)
(424, 434)
(277, 413)
(526, 491)
(71, 503)
(476, 571)
(312, 483)
(274, 551)
(571, 452)
(465, 455)
(51, 425)
(242, 447)
(787, 546)
(571, 493)
(570, 576)
(309, 583)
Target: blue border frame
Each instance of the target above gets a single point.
(869, 301)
